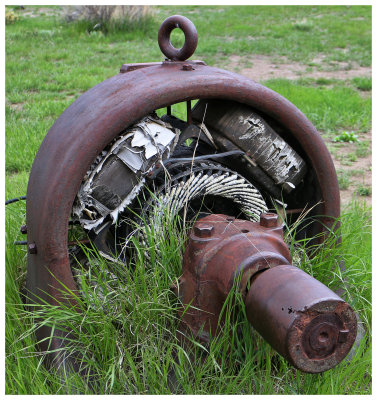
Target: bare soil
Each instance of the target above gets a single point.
(16, 106)
(264, 67)
(362, 168)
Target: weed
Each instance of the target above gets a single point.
(346, 163)
(345, 136)
(364, 84)
(10, 16)
(356, 172)
(343, 179)
(303, 26)
(352, 157)
(324, 81)
(362, 149)
(364, 190)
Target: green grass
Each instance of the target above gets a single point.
(296, 32)
(330, 109)
(363, 190)
(48, 65)
(363, 148)
(364, 84)
(343, 179)
(349, 137)
(126, 327)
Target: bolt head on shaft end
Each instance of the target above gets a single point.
(203, 230)
(269, 220)
(187, 67)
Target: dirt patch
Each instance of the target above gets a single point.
(264, 67)
(16, 106)
(364, 180)
(358, 172)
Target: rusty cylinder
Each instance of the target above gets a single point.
(301, 318)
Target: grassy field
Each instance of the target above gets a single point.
(49, 63)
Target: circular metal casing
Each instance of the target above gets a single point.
(98, 116)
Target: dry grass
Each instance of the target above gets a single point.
(106, 18)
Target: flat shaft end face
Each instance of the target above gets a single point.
(319, 343)
(301, 318)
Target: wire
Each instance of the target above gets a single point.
(184, 160)
(15, 199)
(205, 157)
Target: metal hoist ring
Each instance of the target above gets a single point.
(191, 38)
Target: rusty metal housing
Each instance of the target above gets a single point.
(300, 317)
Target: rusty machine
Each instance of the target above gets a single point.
(242, 151)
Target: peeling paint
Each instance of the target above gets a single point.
(256, 127)
(139, 148)
(251, 133)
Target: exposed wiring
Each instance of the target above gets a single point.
(20, 242)
(183, 160)
(15, 199)
(205, 157)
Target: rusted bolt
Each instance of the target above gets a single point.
(187, 67)
(342, 336)
(32, 248)
(23, 229)
(322, 339)
(269, 220)
(203, 230)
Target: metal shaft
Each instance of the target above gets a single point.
(301, 318)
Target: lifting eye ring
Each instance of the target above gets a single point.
(191, 38)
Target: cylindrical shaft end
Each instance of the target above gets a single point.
(301, 318)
